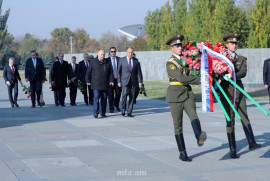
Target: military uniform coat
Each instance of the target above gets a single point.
(180, 97)
(240, 65)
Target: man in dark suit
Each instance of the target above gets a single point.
(99, 75)
(56, 99)
(137, 90)
(266, 76)
(59, 77)
(129, 78)
(35, 72)
(83, 65)
(114, 92)
(11, 76)
(73, 77)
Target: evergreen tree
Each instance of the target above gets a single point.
(152, 29)
(229, 18)
(3, 25)
(179, 17)
(259, 35)
(165, 25)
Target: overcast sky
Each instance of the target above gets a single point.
(40, 17)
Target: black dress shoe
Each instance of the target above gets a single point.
(111, 111)
(91, 103)
(57, 105)
(103, 116)
(12, 106)
(130, 115)
(95, 115)
(63, 105)
(86, 104)
(117, 109)
(123, 112)
(33, 106)
(16, 105)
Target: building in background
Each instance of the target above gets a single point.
(133, 31)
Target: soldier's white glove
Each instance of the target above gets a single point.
(227, 76)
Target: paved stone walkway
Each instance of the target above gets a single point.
(68, 144)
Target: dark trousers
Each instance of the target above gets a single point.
(137, 91)
(269, 93)
(61, 93)
(72, 94)
(241, 107)
(114, 95)
(14, 86)
(102, 95)
(88, 99)
(128, 91)
(56, 99)
(35, 88)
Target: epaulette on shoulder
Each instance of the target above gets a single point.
(242, 56)
(171, 59)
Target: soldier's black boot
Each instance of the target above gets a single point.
(231, 139)
(182, 148)
(199, 134)
(250, 137)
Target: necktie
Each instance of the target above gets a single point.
(34, 62)
(73, 68)
(12, 69)
(61, 62)
(129, 64)
(114, 69)
(86, 65)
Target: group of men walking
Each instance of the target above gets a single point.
(101, 78)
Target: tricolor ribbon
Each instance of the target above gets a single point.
(207, 58)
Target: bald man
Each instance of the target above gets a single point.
(99, 75)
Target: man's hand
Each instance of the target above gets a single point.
(111, 83)
(73, 79)
(266, 86)
(140, 85)
(8, 83)
(26, 79)
(88, 84)
(52, 82)
(69, 81)
(227, 76)
(119, 85)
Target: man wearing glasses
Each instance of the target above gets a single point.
(114, 92)
(180, 97)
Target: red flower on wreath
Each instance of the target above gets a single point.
(187, 45)
(208, 45)
(189, 60)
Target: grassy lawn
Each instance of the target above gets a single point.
(156, 89)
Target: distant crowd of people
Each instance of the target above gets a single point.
(98, 78)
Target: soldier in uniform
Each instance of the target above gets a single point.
(240, 65)
(180, 97)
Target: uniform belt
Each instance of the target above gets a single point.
(178, 83)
